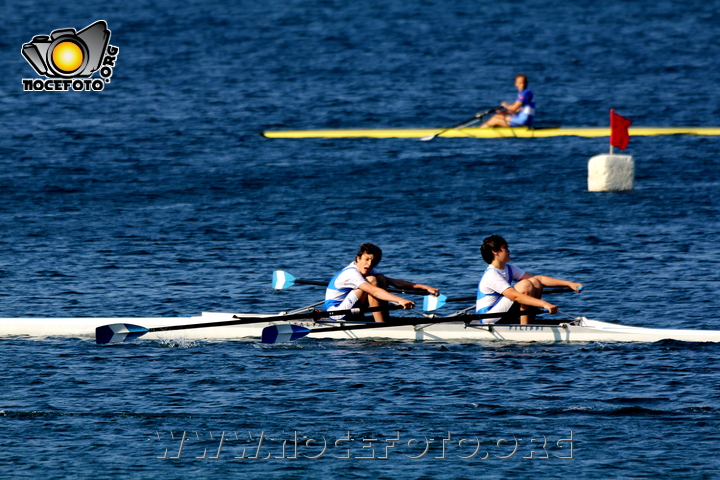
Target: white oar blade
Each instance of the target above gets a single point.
(283, 333)
(118, 332)
(428, 138)
(282, 280)
(431, 302)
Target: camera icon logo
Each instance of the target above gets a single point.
(66, 53)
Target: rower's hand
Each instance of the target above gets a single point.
(433, 291)
(577, 286)
(407, 304)
(551, 308)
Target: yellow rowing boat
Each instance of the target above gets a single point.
(498, 132)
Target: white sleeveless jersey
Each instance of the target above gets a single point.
(492, 284)
(347, 280)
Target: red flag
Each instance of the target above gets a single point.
(619, 136)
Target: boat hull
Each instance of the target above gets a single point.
(584, 331)
(475, 132)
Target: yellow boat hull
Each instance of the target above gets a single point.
(475, 132)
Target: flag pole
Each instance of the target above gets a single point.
(611, 128)
(613, 172)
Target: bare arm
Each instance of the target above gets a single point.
(516, 296)
(382, 294)
(512, 107)
(554, 282)
(403, 284)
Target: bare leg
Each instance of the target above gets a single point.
(377, 281)
(531, 287)
(497, 120)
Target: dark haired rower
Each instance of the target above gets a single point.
(361, 284)
(495, 292)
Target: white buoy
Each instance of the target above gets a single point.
(608, 173)
(611, 173)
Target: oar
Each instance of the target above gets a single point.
(283, 280)
(431, 302)
(286, 333)
(466, 123)
(122, 332)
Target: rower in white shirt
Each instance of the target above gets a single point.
(361, 284)
(496, 293)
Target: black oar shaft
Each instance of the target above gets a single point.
(466, 123)
(311, 282)
(314, 315)
(463, 124)
(391, 290)
(407, 292)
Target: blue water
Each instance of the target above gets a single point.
(158, 197)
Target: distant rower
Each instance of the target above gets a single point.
(517, 114)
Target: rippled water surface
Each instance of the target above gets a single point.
(158, 197)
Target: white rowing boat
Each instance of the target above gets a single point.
(439, 329)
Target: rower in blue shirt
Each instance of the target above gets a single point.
(518, 114)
